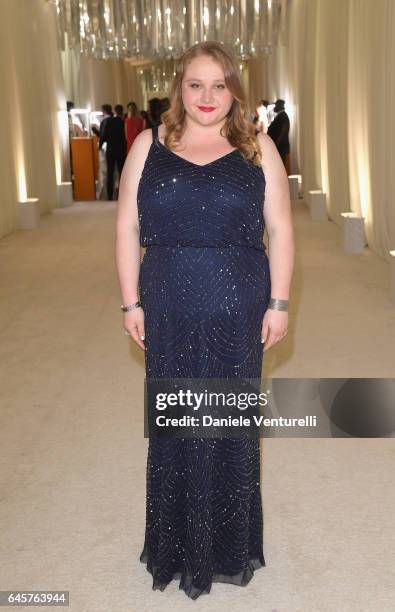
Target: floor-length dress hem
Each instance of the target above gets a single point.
(186, 581)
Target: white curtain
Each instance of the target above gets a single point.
(341, 93)
(91, 82)
(32, 96)
(372, 128)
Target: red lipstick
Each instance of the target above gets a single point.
(206, 109)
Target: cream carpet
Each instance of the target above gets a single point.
(73, 451)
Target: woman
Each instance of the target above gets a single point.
(134, 124)
(193, 191)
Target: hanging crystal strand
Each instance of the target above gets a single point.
(145, 12)
(219, 20)
(156, 27)
(199, 28)
(162, 76)
(119, 31)
(155, 82)
(165, 28)
(180, 41)
(73, 25)
(256, 25)
(209, 21)
(100, 28)
(229, 17)
(67, 21)
(101, 47)
(88, 20)
(131, 21)
(278, 10)
(264, 27)
(85, 27)
(196, 9)
(60, 25)
(190, 23)
(98, 11)
(270, 23)
(122, 34)
(77, 24)
(235, 11)
(109, 50)
(248, 31)
(215, 18)
(282, 26)
(242, 47)
(139, 28)
(174, 27)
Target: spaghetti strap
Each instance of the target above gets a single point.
(154, 133)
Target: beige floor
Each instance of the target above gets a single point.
(73, 451)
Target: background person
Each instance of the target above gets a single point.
(114, 137)
(134, 124)
(278, 130)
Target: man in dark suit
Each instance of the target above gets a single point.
(107, 112)
(278, 130)
(114, 135)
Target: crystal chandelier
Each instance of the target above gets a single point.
(163, 29)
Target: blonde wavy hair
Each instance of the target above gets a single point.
(238, 129)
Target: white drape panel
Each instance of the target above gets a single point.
(341, 91)
(372, 27)
(360, 56)
(301, 65)
(257, 81)
(32, 94)
(11, 150)
(93, 82)
(334, 20)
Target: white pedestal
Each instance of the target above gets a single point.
(392, 277)
(353, 232)
(28, 214)
(295, 181)
(65, 195)
(317, 205)
(293, 187)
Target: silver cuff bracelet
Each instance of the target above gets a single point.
(127, 307)
(277, 304)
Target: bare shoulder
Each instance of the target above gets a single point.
(139, 151)
(142, 140)
(264, 139)
(268, 148)
(272, 163)
(135, 160)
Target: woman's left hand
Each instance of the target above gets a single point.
(274, 327)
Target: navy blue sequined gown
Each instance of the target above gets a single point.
(204, 287)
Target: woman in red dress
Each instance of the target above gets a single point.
(134, 124)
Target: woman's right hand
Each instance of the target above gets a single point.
(133, 322)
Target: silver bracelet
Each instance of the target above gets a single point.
(127, 307)
(277, 304)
